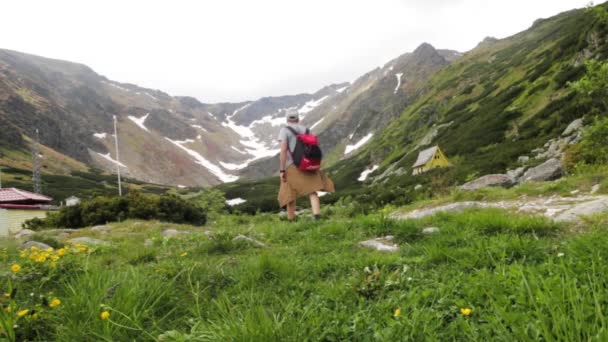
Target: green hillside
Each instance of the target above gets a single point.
(499, 101)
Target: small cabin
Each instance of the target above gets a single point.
(72, 201)
(18, 206)
(429, 159)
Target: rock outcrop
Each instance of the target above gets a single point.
(549, 170)
(488, 180)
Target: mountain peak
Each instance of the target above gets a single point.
(425, 49)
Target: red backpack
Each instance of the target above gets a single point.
(307, 154)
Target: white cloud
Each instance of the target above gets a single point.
(238, 49)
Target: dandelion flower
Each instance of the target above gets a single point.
(466, 311)
(41, 259)
(16, 268)
(61, 252)
(104, 315)
(34, 248)
(50, 249)
(184, 254)
(397, 313)
(23, 312)
(23, 254)
(55, 302)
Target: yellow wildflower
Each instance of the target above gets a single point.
(55, 302)
(104, 315)
(6, 294)
(184, 254)
(466, 311)
(35, 316)
(34, 248)
(397, 312)
(23, 254)
(54, 258)
(41, 259)
(50, 249)
(53, 264)
(16, 268)
(61, 252)
(23, 312)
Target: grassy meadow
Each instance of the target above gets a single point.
(488, 274)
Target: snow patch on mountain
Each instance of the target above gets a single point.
(363, 141)
(342, 89)
(398, 82)
(116, 86)
(253, 145)
(100, 135)
(140, 121)
(235, 201)
(239, 151)
(199, 159)
(366, 173)
(312, 104)
(150, 96)
(234, 167)
(109, 158)
(213, 116)
(268, 119)
(200, 127)
(316, 123)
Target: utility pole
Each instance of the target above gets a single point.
(36, 164)
(117, 157)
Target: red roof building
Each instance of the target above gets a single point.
(12, 196)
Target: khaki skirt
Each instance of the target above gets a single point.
(300, 183)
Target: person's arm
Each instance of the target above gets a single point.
(283, 160)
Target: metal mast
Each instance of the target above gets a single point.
(117, 157)
(36, 164)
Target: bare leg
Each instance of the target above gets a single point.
(291, 211)
(315, 204)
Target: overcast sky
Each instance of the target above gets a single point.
(232, 50)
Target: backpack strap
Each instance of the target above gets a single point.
(307, 131)
(292, 130)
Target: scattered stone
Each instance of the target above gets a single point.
(380, 244)
(36, 244)
(430, 230)
(584, 209)
(549, 170)
(574, 127)
(523, 159)
(574, 192)
(241, 237)
(421, 213)
(595, 189)
(63, 236)
(418, 187)
(148, 243)
(100, 228)
(88, 241)
(170, 233)
(488, 180)
(24, 233)
(515, 174)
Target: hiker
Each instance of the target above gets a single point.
(294, 181)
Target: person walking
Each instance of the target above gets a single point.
(295, 182)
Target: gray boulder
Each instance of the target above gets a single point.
(584, 209)
(549, 170)
(574, 127)
(418, 187)
(100, 228)
(488, 180)
(244, 238)
(523, 159)
(24, 233)
(430, 230)
(36, 244)
(380, 244)
(595, 189)
(515, 174)
(88, 241)
(421, 213)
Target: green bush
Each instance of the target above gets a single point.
(593, 148)
(101, 210)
